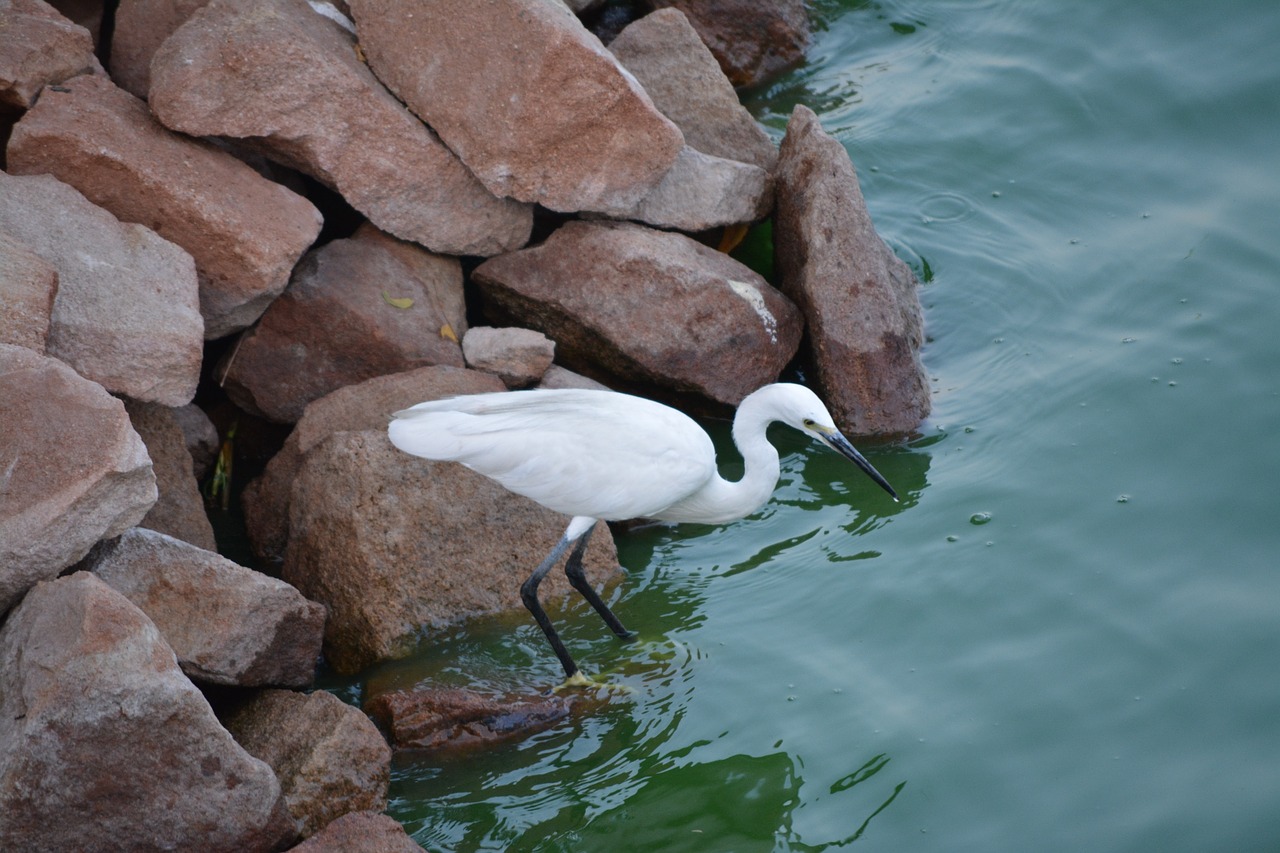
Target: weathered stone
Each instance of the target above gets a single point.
(227, 624)
(179, 509)
(666, 55)
(105, 745)
(752, 41)
(367, 405)
(141, 26)
(702, 192)
(84, 13)
(28, 285)
(244, 232)
(317, 108)
(72, 469)
(391, 543)
(367, 832)
(519, 357)
(330, 758)
(648, 306)
(127, 312)
(356, 308)
(860, 300)
(39, 47)
(525, 95)
(558, 377)
(200, 435)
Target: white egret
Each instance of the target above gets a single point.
(604, 456)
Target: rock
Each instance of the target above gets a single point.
(860, 300)
(519, 357)
(454, 720)
(666, 55)
(39, 47)
(244, 232)
(200, 435)
(366, 832)
(105, 745)
(558, 377)
(752, 41)
(73, 469)
(141, 26)
(28, 285)
(179, 509)
(127, 312)
(648, 306)
(525, 95)
(317, 108)
(330, 758)
(356, 308)
(391, 544)
(226, 624)
(367, 405)
(702, 192)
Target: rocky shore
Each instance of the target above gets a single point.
(309, 215)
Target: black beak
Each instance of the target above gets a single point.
(837, 442)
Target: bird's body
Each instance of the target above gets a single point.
(601, 455)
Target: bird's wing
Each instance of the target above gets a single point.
(591, 453)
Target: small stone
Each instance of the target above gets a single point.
(367, 832)
(519, 357)
(39, 47)
(179, 509)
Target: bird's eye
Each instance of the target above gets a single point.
(809, 422)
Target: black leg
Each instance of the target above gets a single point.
(529, 595)
(578, 579)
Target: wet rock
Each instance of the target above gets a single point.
(860, 300)
(454, 720)
(367, 832)
(525, 95)
(558, 377)
(39, 47)
(752, 41)
(179, 509)
(519, 357)
(73, 469)
(391, 544)
(330, 758)
(28, 285)
(355, 309)
(367, 405)
(666, 55)
(648, 306)
(141, 26)
(244, 232)
(316, 107)
(127, 312)
(105, 745)
(227, 624)
(200, 435)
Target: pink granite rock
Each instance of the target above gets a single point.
(368, 832)
(73, 469)
(647, 306)
(141, 26)
(684, 80)
(519, 357)
(860, 300)
(244, 231)
(356, 308)
(39, 47)
(104, 743)
(28, 285)
(525, 95)
(227, 624)
(315, 106)
(179, 509)
(127, 313)
(752, 41)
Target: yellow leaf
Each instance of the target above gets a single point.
(446, 332)
(733, 235)
(397, 301)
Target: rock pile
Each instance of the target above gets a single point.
(300, 212)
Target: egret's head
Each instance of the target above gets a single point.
(802, 409)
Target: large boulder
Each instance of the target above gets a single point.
(392, 544)
(74, 470)
(355, 309)
(226, 624)
(281, 76)
(330, 758)
(104, 743)
(525, 95)
(28, 285)
(752, 41)
(647, 306)
(367, 405)
(127, 313)
(244, 232)
(179, 509)
(39, 47)
(860, 299)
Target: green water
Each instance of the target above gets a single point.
(1067, 635)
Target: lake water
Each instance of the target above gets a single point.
(1067, 635)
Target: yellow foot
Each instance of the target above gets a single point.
(581, 681)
